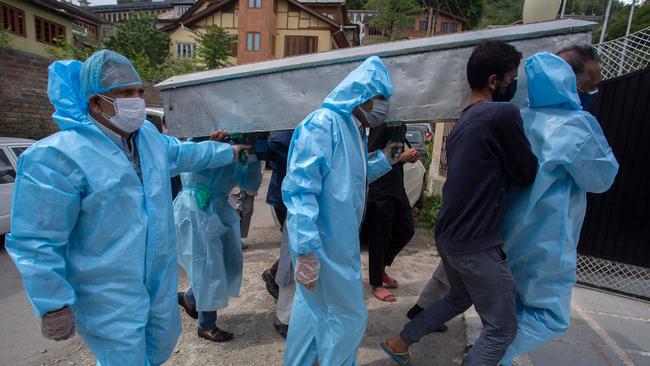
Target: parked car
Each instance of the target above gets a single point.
(10, 150)
(417, 139)
(425, 128)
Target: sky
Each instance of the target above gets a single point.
(104, 2)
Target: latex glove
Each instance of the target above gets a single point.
(58, 324)
(409, 156)
(307, 270)
(236, 149)
(388, 151)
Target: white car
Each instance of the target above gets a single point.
(10, 150)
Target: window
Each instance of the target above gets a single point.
(448, 27)
(19, 150)
(13, 19)
(185, 50)
(7, 172)
(423, 25)
(48, 32)
(299, 45)
(255, 3)
(253, 41)
(408, 26)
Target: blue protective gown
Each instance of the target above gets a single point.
(325, 192)
(88, 233)
(209, 239)
(543, 222)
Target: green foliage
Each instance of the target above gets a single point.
(394, 16)
(138, 37)
(356, 4)
(429, 214)
(5, 39)
(215, 46)
(618, 24)
(501, 12)
(80, 49)
(471, 10)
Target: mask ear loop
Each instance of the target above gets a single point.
(112, 102)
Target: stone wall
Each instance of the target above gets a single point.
(25, 110)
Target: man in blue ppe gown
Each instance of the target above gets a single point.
(325, 191)
(209, 240)
(92, 227)
(543, 222)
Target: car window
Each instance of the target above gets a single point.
(19, 150)
(7, 172)
(414, 137)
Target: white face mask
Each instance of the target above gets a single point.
(130, 113)
(379, 113)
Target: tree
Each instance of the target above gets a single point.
(471, 10)
(618, 24)
(138, 37)
(5, 39)
(80, 49)
(356, 4)
(215, 46)
(394, 15)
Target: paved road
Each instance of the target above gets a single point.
(21, 343)
(605, 329)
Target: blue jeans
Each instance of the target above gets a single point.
(207, 319)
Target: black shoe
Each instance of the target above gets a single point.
(415, 310)
(282, 329)
(271, 286)
(189, 309)
(216, 335)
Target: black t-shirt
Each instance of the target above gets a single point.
(486, 152)
(392, 183)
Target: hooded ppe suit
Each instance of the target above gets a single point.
(325, 191)
(87, 232)
(543, 221)
(209, 240)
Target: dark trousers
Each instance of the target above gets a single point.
(387, 228)
(482, 279)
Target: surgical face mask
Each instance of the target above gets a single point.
(507, 95)
(379, 113)
(588, 99)
(130, 113)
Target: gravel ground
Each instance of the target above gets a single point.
(250, 316)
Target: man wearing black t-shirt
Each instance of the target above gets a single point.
(487, 152)
(388, 223)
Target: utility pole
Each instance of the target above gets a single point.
(608, 14)
(629, 21)
(563, 9)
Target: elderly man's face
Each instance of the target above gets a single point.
(99, 105)
(592, 69)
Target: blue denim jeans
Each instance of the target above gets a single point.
(207, 319)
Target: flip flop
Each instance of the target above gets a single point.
(389, 281)
(402, 359)
(383, 294)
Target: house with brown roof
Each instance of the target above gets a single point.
(266, 29)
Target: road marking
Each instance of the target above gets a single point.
(617, 316)
(604, 336)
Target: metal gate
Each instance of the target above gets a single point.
(614, 248)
